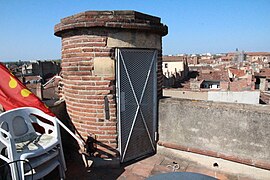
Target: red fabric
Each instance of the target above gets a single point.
(14, 94)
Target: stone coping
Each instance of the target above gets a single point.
(130, 20)
(218, 105)
(251, 162)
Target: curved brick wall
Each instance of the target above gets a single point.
(88, 40)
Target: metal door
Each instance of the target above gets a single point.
(137, 102)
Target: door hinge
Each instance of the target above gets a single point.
(156, 136)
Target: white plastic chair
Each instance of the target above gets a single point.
(35, 154)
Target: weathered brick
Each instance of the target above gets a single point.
(106, 137)
(95, 132)
(107, 128)
(103, 83)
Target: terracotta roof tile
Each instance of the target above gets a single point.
(237, 72)
(214, 76)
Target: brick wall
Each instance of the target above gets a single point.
(241, 85)
(84, 92)
(85, 39)
(224, 85)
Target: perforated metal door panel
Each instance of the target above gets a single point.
(136, 99)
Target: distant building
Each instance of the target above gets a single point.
(175, 69)
(263, 80)
(193, 59)
(225, 58)
(238, 72)
(211, 79)
(258, 56)
(239, 56)
(35, 74)
(45, 69)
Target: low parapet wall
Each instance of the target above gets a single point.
(245, 97)
(236, 132)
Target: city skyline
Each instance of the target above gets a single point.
(194, 26)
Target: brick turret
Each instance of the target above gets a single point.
(89, 40)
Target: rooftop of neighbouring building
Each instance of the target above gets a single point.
(173, 58)
(264, 73)
(213, 75)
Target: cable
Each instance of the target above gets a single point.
(16, 161)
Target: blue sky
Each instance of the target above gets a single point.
(195, 26)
